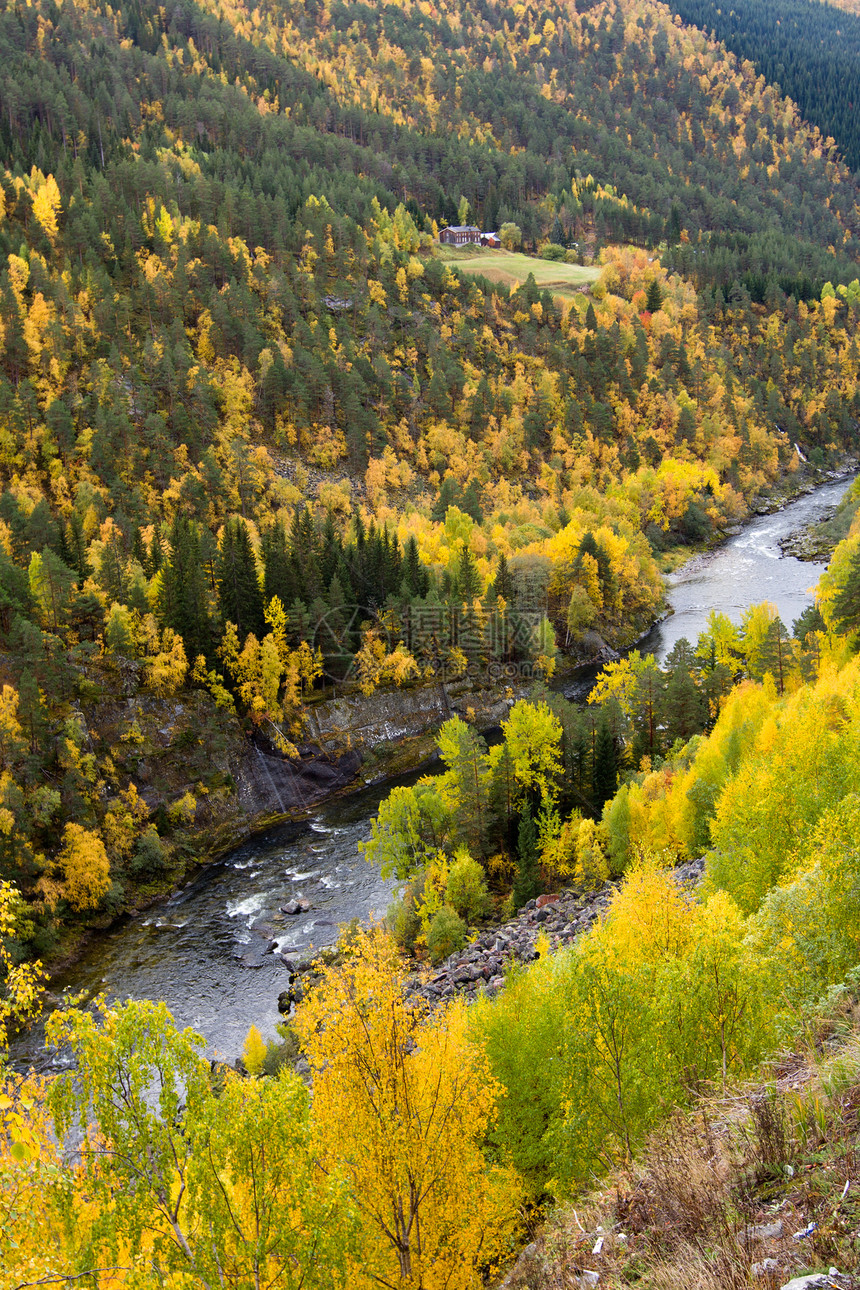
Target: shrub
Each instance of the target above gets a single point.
(591, 867)
(466, 891)
(281, 1054)
(149, 855)
(446, 933)
(254, 1051)
(552, 251)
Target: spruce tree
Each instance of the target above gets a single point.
(333, 635)
(183, 601)
(464, 752)
(683, 707)
(278, 579)
(503, 584)
(78, 548)
(138, 551)
(156, 551)
(331, 550)
(468, 578)
(470, 502)
(415, 576)
(527, 881)
(305, 556)
(845, 606)
(501, 799)
(239, 595)
(604, 776)
(112, 574)
(653, 298)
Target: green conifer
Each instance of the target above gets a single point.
(527, 881)
(239, 595)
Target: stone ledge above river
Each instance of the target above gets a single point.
(385, 716)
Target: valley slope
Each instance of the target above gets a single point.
(235, 370)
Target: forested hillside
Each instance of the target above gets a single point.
(806, 48)
(258, 438)
(259, 443)
(537, 1090)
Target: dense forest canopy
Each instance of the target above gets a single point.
(257, 437)
(810, 50)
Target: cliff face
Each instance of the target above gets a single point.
(268, 785)
(357, 739)
(239, 785)
(386, 717)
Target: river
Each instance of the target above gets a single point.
(746, 570)
(205, 952)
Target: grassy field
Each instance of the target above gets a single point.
(512, 268)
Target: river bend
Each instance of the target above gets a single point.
(206, 951)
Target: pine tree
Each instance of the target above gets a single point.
(776, 654)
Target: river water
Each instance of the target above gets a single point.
(205, 952)
(746, 570)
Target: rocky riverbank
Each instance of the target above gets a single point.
(560, 917)
(481, 965)
(817, 542)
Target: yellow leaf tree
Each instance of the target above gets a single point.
(85, 867)
(401, 1107)
(196, 1182)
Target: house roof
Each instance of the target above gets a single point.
(462, 228)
